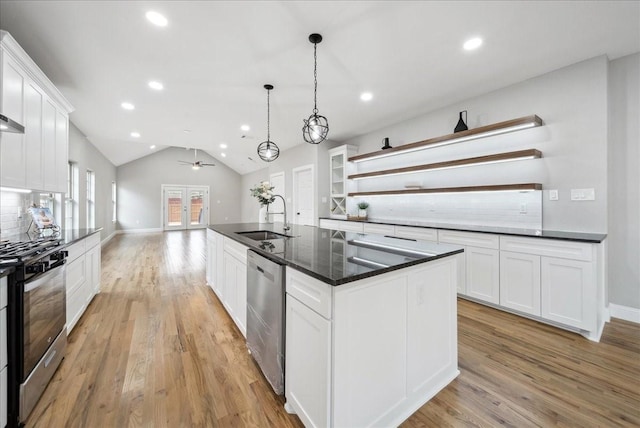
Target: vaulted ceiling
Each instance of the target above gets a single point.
(214, 58)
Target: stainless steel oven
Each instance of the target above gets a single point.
(37, 335)
(44, 304)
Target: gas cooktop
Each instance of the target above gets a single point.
(13, 252)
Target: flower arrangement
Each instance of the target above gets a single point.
(363, 205)
(264, 193)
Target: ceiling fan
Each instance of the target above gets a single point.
(196, 164)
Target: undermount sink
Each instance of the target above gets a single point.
(263, 235)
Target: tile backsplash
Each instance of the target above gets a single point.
(10, 204)
(503, 209)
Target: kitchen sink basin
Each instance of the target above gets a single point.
(263, 235)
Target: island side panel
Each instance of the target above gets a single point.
(395, 343)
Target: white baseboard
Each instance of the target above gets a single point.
(107, 239)
(624, 312)
(158, 229)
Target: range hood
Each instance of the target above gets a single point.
(8, 125)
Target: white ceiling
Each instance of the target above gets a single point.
(215, 57)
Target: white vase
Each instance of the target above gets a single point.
(263, 215)
(362, 213)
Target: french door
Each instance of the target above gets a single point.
(185, 207)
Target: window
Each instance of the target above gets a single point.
(71, 197)
(91, 199)
(113, 201)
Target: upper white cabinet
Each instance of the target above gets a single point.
(339, 169)
(38, 158)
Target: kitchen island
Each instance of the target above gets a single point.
(371, 328)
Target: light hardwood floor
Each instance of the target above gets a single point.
(156, 349)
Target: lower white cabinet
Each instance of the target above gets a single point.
(569, 292)
(94, 260)
(226, 274)
(235, 290)
(308, 353)
(349, 366)
(483, 274)
(346, 226)
(520, 282)
(3, 397)
(82, 276)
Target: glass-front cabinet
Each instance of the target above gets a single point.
(339, 169)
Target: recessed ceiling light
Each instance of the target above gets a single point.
(158, 86)
(366, 96)
(245, 127)
(223, 146)
(223, 155)
(135, 134)
(472, 44)
(186, 131)
(152, 146)
(127, 106)
(157, 18)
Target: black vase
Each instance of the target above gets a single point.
(461, 126)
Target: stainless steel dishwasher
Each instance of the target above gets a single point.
(265, 317)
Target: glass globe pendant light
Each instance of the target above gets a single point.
(268, 150)
(316, 128)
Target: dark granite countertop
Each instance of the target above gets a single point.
(337, 257)
(532, 233)
(68, 236)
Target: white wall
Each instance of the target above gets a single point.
(573, 105)
(624, 181)
(86, 156)
(140, 181)
(299, 155)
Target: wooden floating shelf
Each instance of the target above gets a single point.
(526, 187)
(471, 134)
(479, 160)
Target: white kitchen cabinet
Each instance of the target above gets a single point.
(210, 266)
(569, 292)
(12, 146)
(481, 264)
(38, 158)
(339, 186)
(235, 291)
(33, 103)
(419, 233)
(94, 260)
(343, 225)
(308, 363)
(347, 366)
(520, 282)
(215, 263)
(82, 276)
(379, 229)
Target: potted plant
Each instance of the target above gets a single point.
(362, 209)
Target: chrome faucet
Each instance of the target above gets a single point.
(284, 209)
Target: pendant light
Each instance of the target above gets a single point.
(316, 128)
(268, 150)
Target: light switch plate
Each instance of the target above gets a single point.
(583, 194)
(553, 195)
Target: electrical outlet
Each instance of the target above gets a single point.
(553, 195)
(583, 194)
